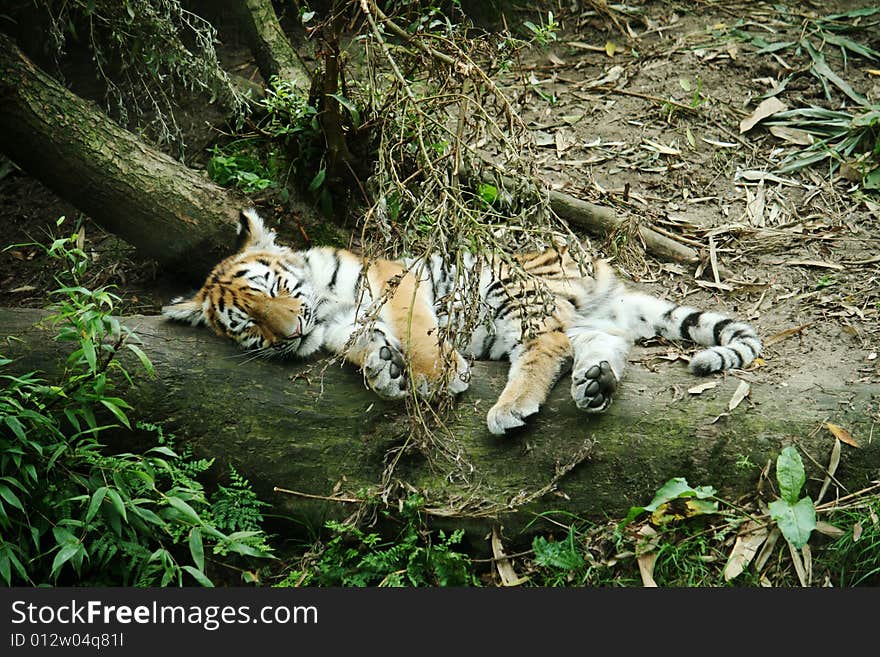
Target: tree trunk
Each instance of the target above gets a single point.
(166, 210)
(270, 46)
(301, 427)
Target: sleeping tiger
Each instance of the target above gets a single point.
(270, 298)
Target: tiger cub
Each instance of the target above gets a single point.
(272, 299)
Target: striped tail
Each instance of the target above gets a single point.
(732, 343)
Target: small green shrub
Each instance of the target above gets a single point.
(353, 557)
(73, 512)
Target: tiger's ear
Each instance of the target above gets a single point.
(185, 310)
(252, 232)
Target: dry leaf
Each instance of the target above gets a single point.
(842, 435)
(768, 107)
(742, 391)
(828, 529)
(767, 550)
(663, 149)
(502, 563)
(799, 566)
(748, 540)
(857, 531)
(646, 569)
(610, 48)
(584, 46)
(833, 462)
(721, 144)
(815, 263)
(696, 390)
(792, 135)
(784, 335)
(807, 554)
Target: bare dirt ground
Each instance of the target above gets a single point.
(650, 126)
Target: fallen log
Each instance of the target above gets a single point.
(314, 429)
(169, 212)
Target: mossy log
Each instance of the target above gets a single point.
(167, 211)
(313, 428)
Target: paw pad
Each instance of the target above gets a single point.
(593, 388)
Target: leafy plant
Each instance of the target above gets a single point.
(693, 501)
(72, 511)
(147, 54)
(239, 169)
(840, 137)
(795, 515)
(354, 557)
(545, 33)
(853, 558)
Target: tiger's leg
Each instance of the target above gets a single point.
(599, 360)
(374, 349)
(534, 367)
(415, 324)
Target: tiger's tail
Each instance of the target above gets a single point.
(731, 343)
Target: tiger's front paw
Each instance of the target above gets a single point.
(592, 387)
(461, 378)
(505, 416)
(385, 371)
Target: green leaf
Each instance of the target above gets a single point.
(350, 106)
(318, 180)
(487, 192)
(849, 44)
(162, 449)
(10, 497)
(88, 349)
(823, 72)
(185, 509)
(95, 504)
(117, 503)
(64, 555)
(675, 488)
(790, 474)
(556, 555)
(199, 576)
(196, 548)
(116, 411)
(137, 351)
(16, 427)
(795, 521)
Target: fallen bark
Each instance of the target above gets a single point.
(169, 212)
(300, 427)
(604, 221)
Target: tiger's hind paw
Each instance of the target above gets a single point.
(505, 416)
(385, 372)
(592, 388)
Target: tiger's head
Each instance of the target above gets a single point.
(260, 297)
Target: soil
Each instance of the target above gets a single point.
(800, 256)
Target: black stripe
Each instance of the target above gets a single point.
(493, 287)
(263, 262)
(739, 357)
(689, 322)
(488, 343)
(243, 272)
(719, 327)
(337, 263)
